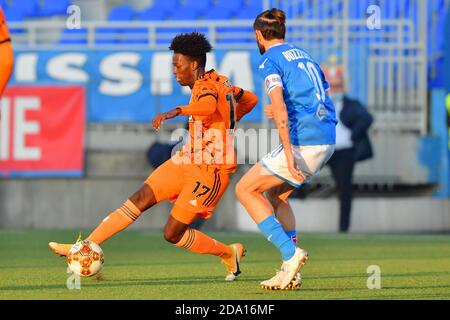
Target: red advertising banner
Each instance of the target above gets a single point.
(42, 131)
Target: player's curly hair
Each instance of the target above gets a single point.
(194, 45)
(271, 23)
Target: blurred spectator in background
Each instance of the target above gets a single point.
(352, 141)
(160, 152)
(6, 53)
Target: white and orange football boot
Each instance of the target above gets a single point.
(232, 263)
(62, 248)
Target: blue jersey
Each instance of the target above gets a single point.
(312, 118)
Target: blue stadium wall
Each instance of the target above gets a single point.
(439, 149)
(130, 86)
(445, 146)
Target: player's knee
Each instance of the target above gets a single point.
(172, 236)
(144, 198)
(239, 190)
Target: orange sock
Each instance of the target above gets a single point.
(196, 241)
(115, 222)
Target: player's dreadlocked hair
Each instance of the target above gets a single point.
(271, 23)
(194, 45)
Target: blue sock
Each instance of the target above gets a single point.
(274, 232)
(292, 234)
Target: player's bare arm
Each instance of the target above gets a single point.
(268, 111)
(246, 102)
(159, 119)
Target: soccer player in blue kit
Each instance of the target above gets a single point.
(305, 118)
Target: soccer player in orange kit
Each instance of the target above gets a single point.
(196, 177)
(6, 53)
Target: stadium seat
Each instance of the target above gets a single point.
(20, 9)
(14, 14)
(223, 10)
(199, 5)
(122, 12)
(219, 13)
(185, 14)
(160, 10)
(190, 10)
(51, 7)
(234, 5)
(167, 6)
(248, 14)
(151, 14)
(250, 11)
(119, 13)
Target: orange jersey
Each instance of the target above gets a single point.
(4, 32)
(212, 135)
(196, 177)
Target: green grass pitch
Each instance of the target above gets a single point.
(141, 265)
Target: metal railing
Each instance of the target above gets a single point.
(386, 68)
(147, 35)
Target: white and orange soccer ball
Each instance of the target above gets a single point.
(85, 258)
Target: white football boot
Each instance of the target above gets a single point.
(296, 283)
(292, 266)
(275, 281)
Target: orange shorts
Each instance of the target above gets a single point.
(194, 189)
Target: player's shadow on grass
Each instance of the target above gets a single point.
(110, 282)
(372, 296)
(416, 274)
(335, 289)
(407, 295)
(33, 287)
(363, 259)
(177, 282)
(364, 275)
(186, 281)
(416, 287)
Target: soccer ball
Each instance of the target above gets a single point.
(85, 258)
